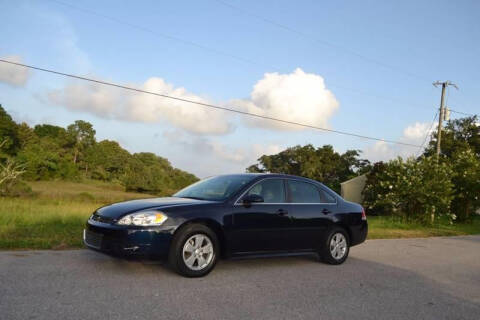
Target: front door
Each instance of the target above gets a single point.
(260, 227)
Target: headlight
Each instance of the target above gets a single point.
(148, 218)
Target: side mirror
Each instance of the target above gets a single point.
(252, 198)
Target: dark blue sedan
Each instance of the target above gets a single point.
(230, 216)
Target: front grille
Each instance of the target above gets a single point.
(92, 239)
(99, 218)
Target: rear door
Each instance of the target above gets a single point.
(311, 209)
(260, 227)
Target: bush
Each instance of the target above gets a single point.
(415, 190)
(466, 180)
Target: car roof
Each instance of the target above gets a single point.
(273, 175)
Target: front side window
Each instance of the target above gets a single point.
(302, 192)
(271, 190)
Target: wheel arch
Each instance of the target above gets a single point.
(215, 226)
(345, 227)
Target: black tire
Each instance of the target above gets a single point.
(324, 251)
(175, 255)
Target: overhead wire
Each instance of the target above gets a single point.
(221, 52)
(229, 109)
(323, 42)
(429, 132)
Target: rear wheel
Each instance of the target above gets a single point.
(335, 246)
(194, 250)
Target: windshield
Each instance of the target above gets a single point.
(215, 188)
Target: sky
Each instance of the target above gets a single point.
(364, 67)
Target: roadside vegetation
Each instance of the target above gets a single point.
(53, 178)
(47, 152)
(381, 227)
(54, 214)
(53, 217)
(423, 191)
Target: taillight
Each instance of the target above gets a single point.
(364, 216)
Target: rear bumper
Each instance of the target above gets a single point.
(358, 233)
(121, 240)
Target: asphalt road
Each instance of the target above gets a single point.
(435, 278)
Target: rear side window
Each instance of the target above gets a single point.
(272, 190)
(326, 197)
(302, 192)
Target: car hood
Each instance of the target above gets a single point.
(116, 210)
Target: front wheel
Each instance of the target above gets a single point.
(335, 247)
(194, 251)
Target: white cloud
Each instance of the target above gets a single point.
(220, 157)
(13, 75)
(118, 104)
(413, 134)
(298, 97)
(416, 133)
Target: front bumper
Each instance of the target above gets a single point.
(127, 240)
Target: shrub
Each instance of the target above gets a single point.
(415, 190)
(466, 180)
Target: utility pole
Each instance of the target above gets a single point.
(441, 114)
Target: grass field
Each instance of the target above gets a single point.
(55, 216)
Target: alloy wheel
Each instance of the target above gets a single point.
(338, 246)
(198, 252)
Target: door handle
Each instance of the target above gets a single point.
(282, 212)
(326, 211)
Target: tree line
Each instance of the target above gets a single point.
(422, 189)
(49, 152)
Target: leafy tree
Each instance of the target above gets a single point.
(43, 161)
(48, 130)
(108, 160)
(374, 187)
(82, 137)
(460, 146)
(457, 136)
(322, 164)
(466, 179)
(8, 134)
(153, 174)
(52, 152)
(26, 135)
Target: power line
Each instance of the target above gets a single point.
(323, 42)
(156, 33)
(239, 58)
(427, 134)
(463, 113)
(206, 104)
(220, 52)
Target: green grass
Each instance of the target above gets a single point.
(388, 228)
(55, 216)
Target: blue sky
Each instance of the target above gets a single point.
(433, 40)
